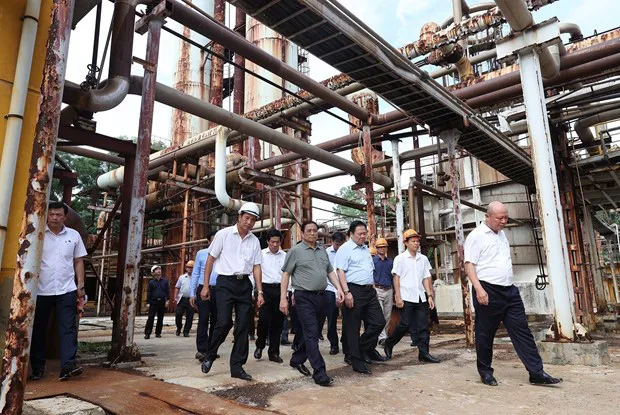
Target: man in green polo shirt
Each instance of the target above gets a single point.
(307, 264)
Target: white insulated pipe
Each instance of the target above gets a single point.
(15, 117)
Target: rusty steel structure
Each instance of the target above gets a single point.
(167, 201)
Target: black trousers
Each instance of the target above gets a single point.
(505, 305)
(270, 320)
(157, 307)
(184, 308)
(366, 308)
(66, 308)
(332, 319)
(311, 307)
(413, 316)
(232, 293)
(207, 318)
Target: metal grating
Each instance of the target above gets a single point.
(328, 31)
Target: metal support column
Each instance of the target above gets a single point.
(547, 194)
(450, 137)
(369, 189)
(594, 263)
(400, 215)
(124, 349)
(26, 278)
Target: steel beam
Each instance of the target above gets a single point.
(90, 138)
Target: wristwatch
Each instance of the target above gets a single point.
(260, 292)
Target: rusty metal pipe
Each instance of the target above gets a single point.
(582, 127)
(229, 39)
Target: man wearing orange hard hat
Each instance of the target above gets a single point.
(182, 295)
(413, 294)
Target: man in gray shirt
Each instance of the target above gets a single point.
(307, 264)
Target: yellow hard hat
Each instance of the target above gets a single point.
(373, 251)
(381, 242)
(410, 233)
(189, 263)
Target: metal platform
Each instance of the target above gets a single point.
(331, 33)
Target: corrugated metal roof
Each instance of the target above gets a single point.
(329, 32)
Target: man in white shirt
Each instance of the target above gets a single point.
(489, 267)
(234, 254)
(270, 318)
(182, 295)
(413, 294)
(61, 265)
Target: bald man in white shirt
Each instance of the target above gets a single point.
(496, 299)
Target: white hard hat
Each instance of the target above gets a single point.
(251, 208)
(154, 267)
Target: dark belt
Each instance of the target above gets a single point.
(383, 287)
(235, 276)
(318, 292)
(360, 285)
(272, 285)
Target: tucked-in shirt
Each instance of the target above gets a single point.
(356, 262)
(412, 270)
(490, 253)
(157, 290)
(198, 273)
(183, 284)
(57, 274)
(308, 267)
(234, 255)
(383, 271)
(271, 266)
(331, 254)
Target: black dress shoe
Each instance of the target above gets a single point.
(185, 334)
(36, 375)
(366, 359)
(327, 381)
(275, 358)
(362, 369)
(488, 380)
(334, 350)
(388, 350)
(544, 379)
(375, 356)
(158, 335)
(258, 353)
(178, 333)
(70, 372)
(242, 375)
(428, 358)
(302, 369)
(147, 336)
(347, 359)
(206, 366)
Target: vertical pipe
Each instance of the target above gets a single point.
(548, 195)
(450, 137)
(26, 277)
(127, 350)
(103, 253)
(370, 191)
(239, 76)
(411, 206)
(217, 69)
(400, 220)
(419, 197)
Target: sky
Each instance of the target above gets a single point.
(397, 21)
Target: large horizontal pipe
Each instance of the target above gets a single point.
(92, 154)
(228, 38)
(172, 97)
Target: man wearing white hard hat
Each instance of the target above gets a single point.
(157, 296)
(234, 254)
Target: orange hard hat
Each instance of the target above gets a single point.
(381, 242)
(410, 233)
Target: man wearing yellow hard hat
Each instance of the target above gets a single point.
(413, 294)
(383, 283)
(181, 296)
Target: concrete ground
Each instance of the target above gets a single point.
(401, 386)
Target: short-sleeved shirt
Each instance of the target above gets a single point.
(57, 274)
(490, 254)
(308, 267)
(271, 266)
(412, 270)
(183, 284)
(331, 254)
(198, 273)
(383, 271)
(233, 254)
(356, 262)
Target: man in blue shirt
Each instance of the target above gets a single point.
(355, 271)
(383, 283)
(207, 309)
